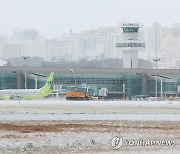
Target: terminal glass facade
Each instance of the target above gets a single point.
(8, 81)
(31, 84)
(133, 85)
(113, 82)
(168, 87)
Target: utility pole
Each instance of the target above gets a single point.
(25, 58)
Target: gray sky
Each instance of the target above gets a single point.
(54, 17)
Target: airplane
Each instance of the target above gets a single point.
(28, 94)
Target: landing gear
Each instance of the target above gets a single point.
(11, 97)
(15, 98)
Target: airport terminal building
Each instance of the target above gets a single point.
(130, 82)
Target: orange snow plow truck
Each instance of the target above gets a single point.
(75, 93)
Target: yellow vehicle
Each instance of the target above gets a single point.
(75, 93)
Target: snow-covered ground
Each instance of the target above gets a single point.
(90, 103)
(60, 126)
(13, 117)
(89, 110)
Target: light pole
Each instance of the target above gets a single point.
(73, 75)
(156, 60)
(25, 58)
(71, 72)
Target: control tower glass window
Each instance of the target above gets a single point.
(122, 45)
(130, 29)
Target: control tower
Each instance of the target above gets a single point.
(130, 45)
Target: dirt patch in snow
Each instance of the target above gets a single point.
(106, 126)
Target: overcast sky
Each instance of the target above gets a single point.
(54, 17)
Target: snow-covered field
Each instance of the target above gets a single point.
(89, 103)
(79, 116)
(89, 110)
(60, 126)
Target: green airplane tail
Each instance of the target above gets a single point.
(48, 84)
(46, 90)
